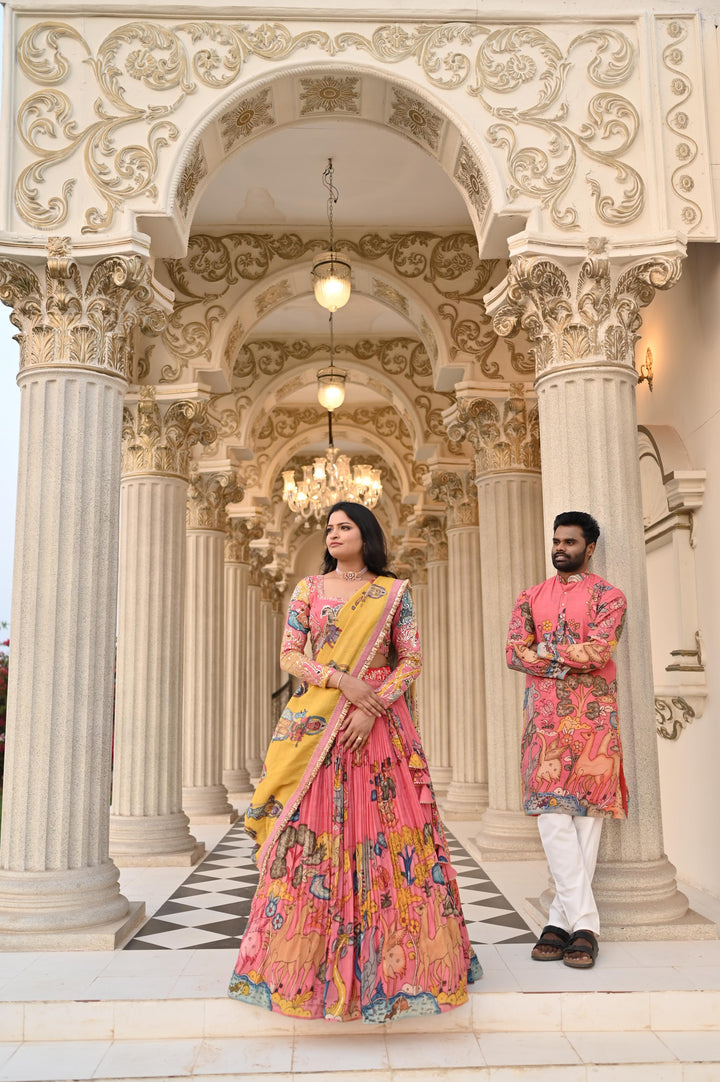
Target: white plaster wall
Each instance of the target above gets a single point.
(683, 330)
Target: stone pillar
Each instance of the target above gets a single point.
(267, 662)
(240, 533)
(58, 887)
(503, 430)
(467, 793)
(204, 795)
(435, 718)
(147, 823)
(254, 746)
(412, 564)
(581, 309)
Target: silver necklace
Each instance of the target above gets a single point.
(350, 576)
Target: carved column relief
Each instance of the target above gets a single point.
(204, 795)
(467, 793)
(238, 632)
(435, 716)
(412, 564)
(582, 310)
(502, 427)
(57, 883)
(148, 825)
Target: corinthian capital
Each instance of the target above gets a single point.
(432, 530)
(582, 305)
(157, 437)
(457, 490)
(259, 559)
(75, 312)
(209, 493)
(238, 535)
(501, 425)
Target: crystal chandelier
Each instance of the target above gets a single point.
(329, 480)
(331, 272)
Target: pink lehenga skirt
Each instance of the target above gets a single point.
(358, 913)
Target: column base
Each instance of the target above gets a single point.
(441, 779)
(141, 841)
(508, 835)
(465, 800)
(241, 801)
(110, 936)
(236, 781)
(208, 804)
(690, 926)
(56, 902)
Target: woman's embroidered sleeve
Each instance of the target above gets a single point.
(297, 625)
(406, 640)
(521, 649)
(603, 633)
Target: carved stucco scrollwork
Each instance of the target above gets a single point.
(471, 177)
(209, 493)
(456, 489)
(238, 535)
(505, 434)
(158, 438)
(585, 310)
(550, 130)
(672, 715)
(678, 120)
(283, 424)
(80, 314)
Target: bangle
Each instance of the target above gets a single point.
(339, 679)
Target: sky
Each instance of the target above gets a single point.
(9, 437)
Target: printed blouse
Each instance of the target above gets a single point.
(311, 613)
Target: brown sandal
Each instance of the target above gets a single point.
(581, 942)
(557, 938)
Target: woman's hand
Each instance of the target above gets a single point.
(355, 729)
(361, 694)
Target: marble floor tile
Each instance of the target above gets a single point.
(620, 1048)
(138, 1059)
(7, 1048)
(518, 1049)
(339, 1054)
(425, 1050)
(701, 1046)
(635, 1072)
(45, 1061)
(243, 1054)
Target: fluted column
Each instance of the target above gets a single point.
(267, 661)
(503, 430)
(411, 562)
(467, 793)
(58, 887)
(435, 717)
(147, 823)
(240, 533)
(204, 795)
(581, 308)
(254, 732)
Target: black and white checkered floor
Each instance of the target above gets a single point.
(210, 909)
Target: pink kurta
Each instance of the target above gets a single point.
(571, 755)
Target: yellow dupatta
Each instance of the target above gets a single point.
(311, 720)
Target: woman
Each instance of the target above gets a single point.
(357, 912)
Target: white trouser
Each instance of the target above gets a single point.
(571, 844)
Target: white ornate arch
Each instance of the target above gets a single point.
(561, 110)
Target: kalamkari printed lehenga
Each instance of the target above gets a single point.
(357, 911)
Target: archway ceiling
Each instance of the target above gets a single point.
(389, 189)
(385, 182)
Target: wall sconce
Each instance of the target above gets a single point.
(646, 369)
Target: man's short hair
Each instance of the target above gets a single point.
(588, 525)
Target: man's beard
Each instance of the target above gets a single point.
(571, 564)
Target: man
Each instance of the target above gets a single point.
(562, 635)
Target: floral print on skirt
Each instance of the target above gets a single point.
(358, 912)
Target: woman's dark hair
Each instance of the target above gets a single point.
(374, 551)
(581, 519)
